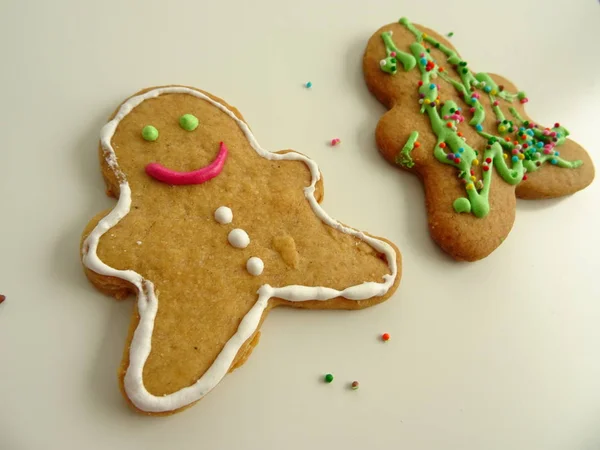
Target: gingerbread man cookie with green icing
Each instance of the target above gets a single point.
(210, 232)
(467, 136)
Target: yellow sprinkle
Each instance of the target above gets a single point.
(521, 156)
(427, 101)
(473, 178)
(501, 128)
(424, 35)
(475, 162)
(437, 101)
(493, 92)
(505, 155)
(470, 186)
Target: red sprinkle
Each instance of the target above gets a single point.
(556, 125)
(486, 168)
(457, 160)
(2, 298)
(525, 145)
(488, 160)
(524, 177)
(442, 144)
(420, 83)
(417, 144)
(385, 337)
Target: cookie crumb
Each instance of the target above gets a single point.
(328, 378)
(2, 298)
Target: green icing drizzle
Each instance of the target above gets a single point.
(515, 114)
(403, 158)
(393, 54)
(512, 156)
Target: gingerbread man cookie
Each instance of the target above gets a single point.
(211, 231)
(467, 136)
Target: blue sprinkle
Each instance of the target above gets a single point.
(432, 86)
(540, 144)
(473, 100)
(554, 161)
(487, 89)
(521, 129)
(308, 84)
(556, 153)
(515, 158)
(557, 135)
(423, 61)
(529, 132)
(460, 150)
(478, 127)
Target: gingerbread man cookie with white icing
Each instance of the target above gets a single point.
(467, 136)
(211, 231)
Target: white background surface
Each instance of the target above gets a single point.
(495, 355)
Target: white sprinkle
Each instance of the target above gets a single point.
(139, 242)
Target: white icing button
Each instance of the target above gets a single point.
(238, 238)
(223, 215)
(255, 266)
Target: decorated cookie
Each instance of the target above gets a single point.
(211, 231)
(467, 136)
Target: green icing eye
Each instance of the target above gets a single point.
(150, 133)
(188, 122)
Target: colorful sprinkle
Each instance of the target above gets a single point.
(149, 133)
(450, 34)
(478, 127)
(328, 378)
(385, 337)
(335, 142)
(308, 84)
(354, 385)
(2, 298)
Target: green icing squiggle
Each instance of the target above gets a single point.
(403, 158)
(528, 149)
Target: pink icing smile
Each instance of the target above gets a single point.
(161, 173)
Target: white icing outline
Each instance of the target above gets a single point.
(148, 302)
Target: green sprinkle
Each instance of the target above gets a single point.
(188, 122)
(451, 34)
(328, 378)
(149, 133)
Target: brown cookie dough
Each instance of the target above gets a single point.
(208, 258)
(467, 136)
